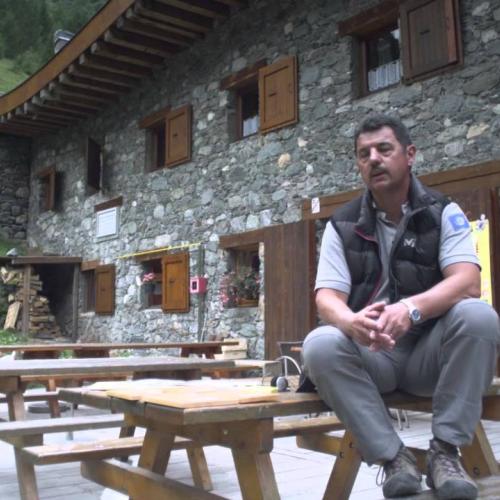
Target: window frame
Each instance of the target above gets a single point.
(381, 17)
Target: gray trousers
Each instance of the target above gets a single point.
(453, 362)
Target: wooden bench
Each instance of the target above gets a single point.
(478, 458)
(27, 436)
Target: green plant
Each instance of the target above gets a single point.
(9, 337)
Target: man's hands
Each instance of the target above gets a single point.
(378, 325)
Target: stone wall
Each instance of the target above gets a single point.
(14, 189)
(230, 187)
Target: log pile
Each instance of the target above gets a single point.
(42, 323)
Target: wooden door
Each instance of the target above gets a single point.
(289, 273)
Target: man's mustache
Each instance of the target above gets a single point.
(378, 169)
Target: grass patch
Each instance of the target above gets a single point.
(10, 75)
(6, 245)
(10, 337)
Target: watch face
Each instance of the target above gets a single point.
(415, 315)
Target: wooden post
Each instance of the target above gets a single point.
(75, 300)
(26, 300)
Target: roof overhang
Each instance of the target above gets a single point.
(108, 57)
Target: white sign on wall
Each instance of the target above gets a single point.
(107, 222)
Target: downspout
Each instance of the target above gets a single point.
(201, 296)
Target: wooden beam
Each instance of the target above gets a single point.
(82, 104)
(120, 67)
(235, 3)
(138, 13)
(16, 129)
(89, 84)
(174, 16)
(102, 75)
(45, 259)
(40, 109)
(140, 42)
(132, 56)
(207, 8)
(131, 23)
(40, 124)
(92, 95)
(55, 104)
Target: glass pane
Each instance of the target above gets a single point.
(383, 59)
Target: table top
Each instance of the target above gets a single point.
(72, 366)
(286, 404)
(95, 346)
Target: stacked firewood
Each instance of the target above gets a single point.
(42, 323)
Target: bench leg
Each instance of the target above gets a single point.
(199, 467)
(55, 410)
(478, 458)
(344, 471)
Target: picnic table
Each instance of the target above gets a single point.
(244, 427)
(103, 349)
(13, 374)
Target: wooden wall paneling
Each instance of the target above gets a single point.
(290, 261)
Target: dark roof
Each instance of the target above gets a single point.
(108, 57)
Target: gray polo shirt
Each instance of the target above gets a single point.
(456, 245)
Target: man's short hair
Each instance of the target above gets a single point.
(376, 122)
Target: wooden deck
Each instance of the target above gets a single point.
(300, 473)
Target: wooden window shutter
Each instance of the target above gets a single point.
(178, 136)
(175, 282)
(278, 94)
(94, 166)
(105, 289)
(430, 36)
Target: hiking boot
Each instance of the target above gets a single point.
(401, 476)
(445, 473)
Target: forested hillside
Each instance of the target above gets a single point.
(26, 33)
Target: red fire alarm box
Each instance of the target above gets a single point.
(198, 284)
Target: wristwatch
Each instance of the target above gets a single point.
(413, 313)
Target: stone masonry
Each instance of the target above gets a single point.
(231, 187)
(14, 188)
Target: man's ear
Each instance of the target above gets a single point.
(411, 151)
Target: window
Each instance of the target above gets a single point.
(165, 281)
(248, 110)
(263, 98)
(93, 156)
(382, 59)
(151, 279)
(47, 189)
(240, 286)
(107, 218)
(168, 137)
(412, 40)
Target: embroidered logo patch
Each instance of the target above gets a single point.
(409, 242)
(458, 222)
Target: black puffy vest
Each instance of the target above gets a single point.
(414, 257)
